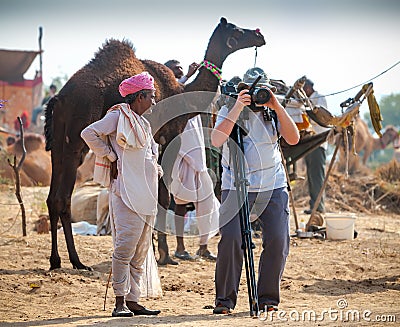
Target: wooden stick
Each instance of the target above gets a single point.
(321, 191)
(108, 283)
(383, 196)
(16, 168)
(346, 206)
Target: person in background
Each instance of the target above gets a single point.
(123, 136)
(267, 194)
(25, 121)
(315, 160)
(177, 69)
(37, 111)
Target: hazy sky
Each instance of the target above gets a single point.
(338, 43)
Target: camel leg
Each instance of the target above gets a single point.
(55, 261)
(59, 206)
(163, 250)
(66, 157)
(72, 156)
(167, 160)
(180, 211)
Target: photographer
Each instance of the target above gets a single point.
(268, 197)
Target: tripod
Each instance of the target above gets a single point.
(236, 151)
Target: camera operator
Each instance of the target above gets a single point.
(268, 198)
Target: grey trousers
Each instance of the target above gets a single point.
(315, 162)
(272, 210)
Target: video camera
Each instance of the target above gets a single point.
(258, 95)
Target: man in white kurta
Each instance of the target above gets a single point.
(124, 137)
(192, 183)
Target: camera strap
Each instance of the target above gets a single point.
(275, 119)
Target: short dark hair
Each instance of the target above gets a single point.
(309, 82)
(171, 63)
(132, 97)
(52, 86)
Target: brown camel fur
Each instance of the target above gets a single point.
(36, 169)
(364, 141)
(88, 94)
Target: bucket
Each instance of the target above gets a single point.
(340, 226)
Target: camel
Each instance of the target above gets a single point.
(364, 141)
(93, 89)
(36, 169)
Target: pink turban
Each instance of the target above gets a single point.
(142, 81)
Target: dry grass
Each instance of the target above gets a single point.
(367, 192)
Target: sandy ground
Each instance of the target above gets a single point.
(354, 283)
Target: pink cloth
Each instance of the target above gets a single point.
(142, 81)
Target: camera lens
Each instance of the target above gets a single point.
(261, 96)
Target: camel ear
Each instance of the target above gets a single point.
(223, 21)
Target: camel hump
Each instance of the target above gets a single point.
(32, 142)
(112, 53)
(165, 81)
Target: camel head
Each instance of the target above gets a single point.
(228, 38)
(391, 135)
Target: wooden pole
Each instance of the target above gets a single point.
(40, 50)
(321, 191)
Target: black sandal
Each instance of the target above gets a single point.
(221, 309)
(124, 312)
(183, 255)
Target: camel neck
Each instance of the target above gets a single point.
(217, 60)
(216, 71)
(204, 81)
